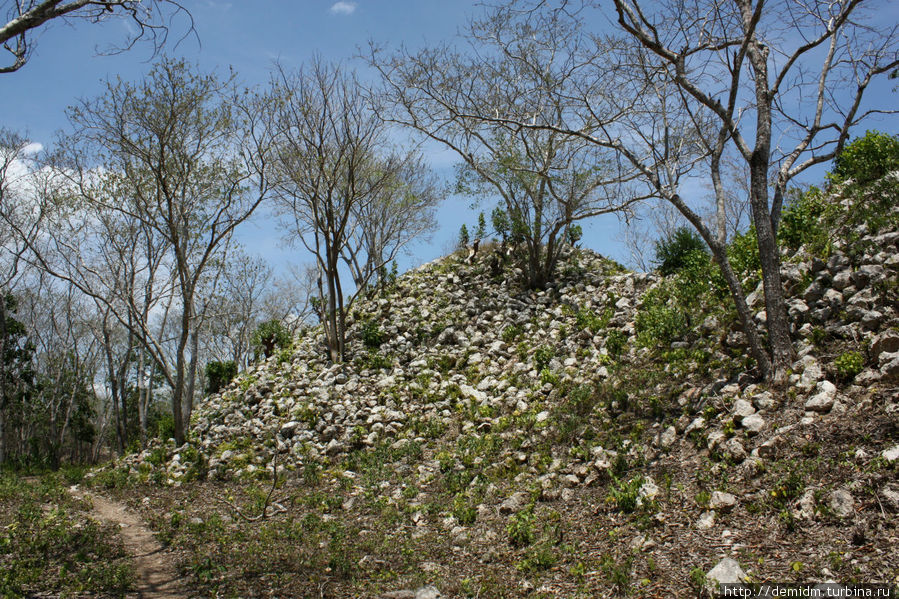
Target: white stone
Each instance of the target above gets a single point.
(742, 409)
(727, 571)
(753, 424)
(706, 520)
(892, 454)
(842, 503)
(722, 501)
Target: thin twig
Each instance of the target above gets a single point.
(262, 515)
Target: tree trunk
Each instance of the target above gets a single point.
(180, 374)
(719, 251)
(3, 393)
(113, 390)
(192, 376)
(769, 254)
(142, 399)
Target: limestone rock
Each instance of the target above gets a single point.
(706, 520)
(841, 503)
(727, 571)
(823, 400)
(428, 592)
(891, 454)
(721, 501)
(754, 424)
(668, 437)
(515, 503)
(888, 342)
(741, 410)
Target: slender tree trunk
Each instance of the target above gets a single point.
(719, 251)
(192, 376)
(717, 185)
(113, 390)
(147, 402)
(141, 399)
(3, 390)
(341, 314)
(769, 253)
(331, 274)
(181, 371)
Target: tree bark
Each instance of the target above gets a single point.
(3, 390)
(769, 254)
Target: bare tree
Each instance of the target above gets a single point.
(332, 170)
(19, 224)
(768, 74)
(780, 83)
(183, 156)
(25, 17)
(401, 212)
(546, 179)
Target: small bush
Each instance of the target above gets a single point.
(463, 510)
(542, 357)
(511, 333)
(660, 320)
(867, 158)
(615, 343)
(743, 253)
(521, 528)
(848, 365)
(269, 335)
(626, 495)
(219, 374)
(372, 335)
(802, 221)
(676, 251)
(587, 319)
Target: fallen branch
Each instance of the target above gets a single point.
(278, 509)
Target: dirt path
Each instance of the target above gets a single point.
(155, 574)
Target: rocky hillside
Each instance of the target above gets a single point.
(601, 437)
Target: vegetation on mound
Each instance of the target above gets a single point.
(576, 494)
(575, 491)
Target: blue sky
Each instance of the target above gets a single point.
(249, 36)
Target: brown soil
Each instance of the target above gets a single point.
(155, 573)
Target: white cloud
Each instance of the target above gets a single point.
(32, 149)
(343, 8)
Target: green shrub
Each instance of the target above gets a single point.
(867, 158)
(269, 335)
(678, 250)
(575, 233)
(464, 238)
(660, 320)
(542, 357)
(521, 528)
(372, 335)
(848, 365)
(743, 253)
(500, 221)
(511, 333)
(219, 374)
(374, 360)
(587, 319)
(540, 557)
(463, 510)
(803, 220)
(615, 343)
(626, 495)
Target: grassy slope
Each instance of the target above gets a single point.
(430, 510)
